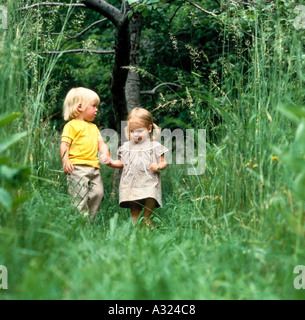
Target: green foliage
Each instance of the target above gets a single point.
(77, 69)
(11, 175)
(145, 6)
(236, 232)
(294, 158)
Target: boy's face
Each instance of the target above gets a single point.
(90, 112)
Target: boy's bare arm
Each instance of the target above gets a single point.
(103, 149)
(64, 154)
(105, 156)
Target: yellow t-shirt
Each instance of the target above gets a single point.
(83, 138)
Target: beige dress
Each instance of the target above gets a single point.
(137, 181)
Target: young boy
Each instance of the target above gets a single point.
(80, 143)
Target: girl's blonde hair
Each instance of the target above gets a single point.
(74, 98)
(140, 117)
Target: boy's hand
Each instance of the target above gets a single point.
(105, 159)
(68, 167)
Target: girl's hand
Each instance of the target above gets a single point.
(154, 167)
(105, 159)
(68, 167)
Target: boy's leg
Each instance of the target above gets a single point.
(96, 192)
(78, 187)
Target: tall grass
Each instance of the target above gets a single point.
(235, 232)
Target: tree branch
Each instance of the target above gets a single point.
(245, 3)
(53, 4)
(201, 9)
(154, 90)
(83, 32)
(106, 9)
(172, 17)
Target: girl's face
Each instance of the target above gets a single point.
(139, 134)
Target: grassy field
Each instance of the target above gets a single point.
(235, 232)
(53, 253)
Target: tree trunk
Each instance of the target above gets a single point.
(133, 80)
(119, 73)
(119, 18)
(118, 83)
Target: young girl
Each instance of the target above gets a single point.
(80, 143)
(142, 159)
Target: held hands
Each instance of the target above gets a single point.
(106, 159)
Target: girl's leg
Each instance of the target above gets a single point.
(136, 209)
(149, 206)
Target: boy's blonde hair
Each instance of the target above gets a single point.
(140, 117)
(74, 98)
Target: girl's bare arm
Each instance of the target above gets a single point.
(116, 164)
(106, 159)
(161, 165)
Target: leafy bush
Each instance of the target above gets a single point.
(12, 175)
